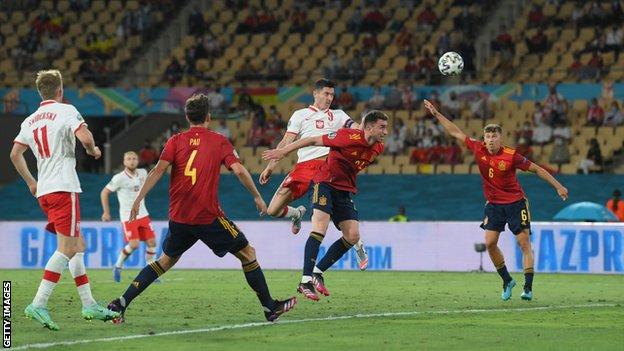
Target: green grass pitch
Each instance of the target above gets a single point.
(216, 310)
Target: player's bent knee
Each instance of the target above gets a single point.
(247, 254)
(352, 236)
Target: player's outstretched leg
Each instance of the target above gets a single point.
(333, 254)
(524, 242)
(90, 308)
(52, 273)
(146, 277)
(306, 286)
(125, 252)
(491, 243)
(256, 280)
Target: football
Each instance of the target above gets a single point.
(451, 64)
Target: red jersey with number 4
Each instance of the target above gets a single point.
(349, 153)
(196, 157)
(498, 172)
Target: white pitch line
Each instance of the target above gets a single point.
(297, 321)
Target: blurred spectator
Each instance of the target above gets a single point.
(401, 217)
(355, 67)
(614, 116)
(538, 43)
(256, 137)
(249, 24)
(147, 155)
(578, 13)
(542, 132)
(276, 69)
(401, 131)
(595, 65)
(173, 72)
(595, 114)
(217, 100)
(416, 135)
(468, 52)
(437, 151)
(536, 17)
(333, 65)
(427, 19)
(277, 117)
(223, 129)
(555, 106)
(373, 21)
(560, 153)
(614, 38)
(245, 102)
(524, 149)
(419, 154)
(452, 108)
(444, 43)
(196, 22)
(577, 69)
(212, 46)
(410, 71)
(593, 159)
(526, 133)
(354, 24)
(266, 22)
(426, 66)
(616, 205)
(563, 131)
(453, 153)
(371, 45)
(503, 40)
(300, 23)
(174, 128)
(393, 98)
(408, 98)
(480, 108)
(272, 131)
(377, 100)
(427, 139)
(247, 71)
(596, 14)
(404, 40)
(466, 23)
(345, 100)
(52, 47)
(392, 145)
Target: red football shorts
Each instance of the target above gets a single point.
(63, 212)
(139, 229)
(298, 180)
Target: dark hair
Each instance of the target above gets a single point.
(197, 108)
(373, 116)
(324, 83)
(493, 128)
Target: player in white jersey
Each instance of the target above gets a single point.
(51, 132)
(127, 184)
(315, 120)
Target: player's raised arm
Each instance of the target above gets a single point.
(278, 154)
(245, 178)
(542, 173)
(268, 171)
(449, 126)
(86, 139)
(152, 178)
(17, 157)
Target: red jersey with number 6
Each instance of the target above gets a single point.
(349, 153)
(498, 172)
(196, 157)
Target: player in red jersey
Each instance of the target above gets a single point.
(351, 150)
(196, 157)
(506, 202)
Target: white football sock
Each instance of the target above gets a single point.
(51, 275)
(79, 273)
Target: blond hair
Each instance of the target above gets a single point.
(128, 153)
(48, 83)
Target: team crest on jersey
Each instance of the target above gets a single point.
(355, 137)
(502, 166)
(323, 200)
(320, 124)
